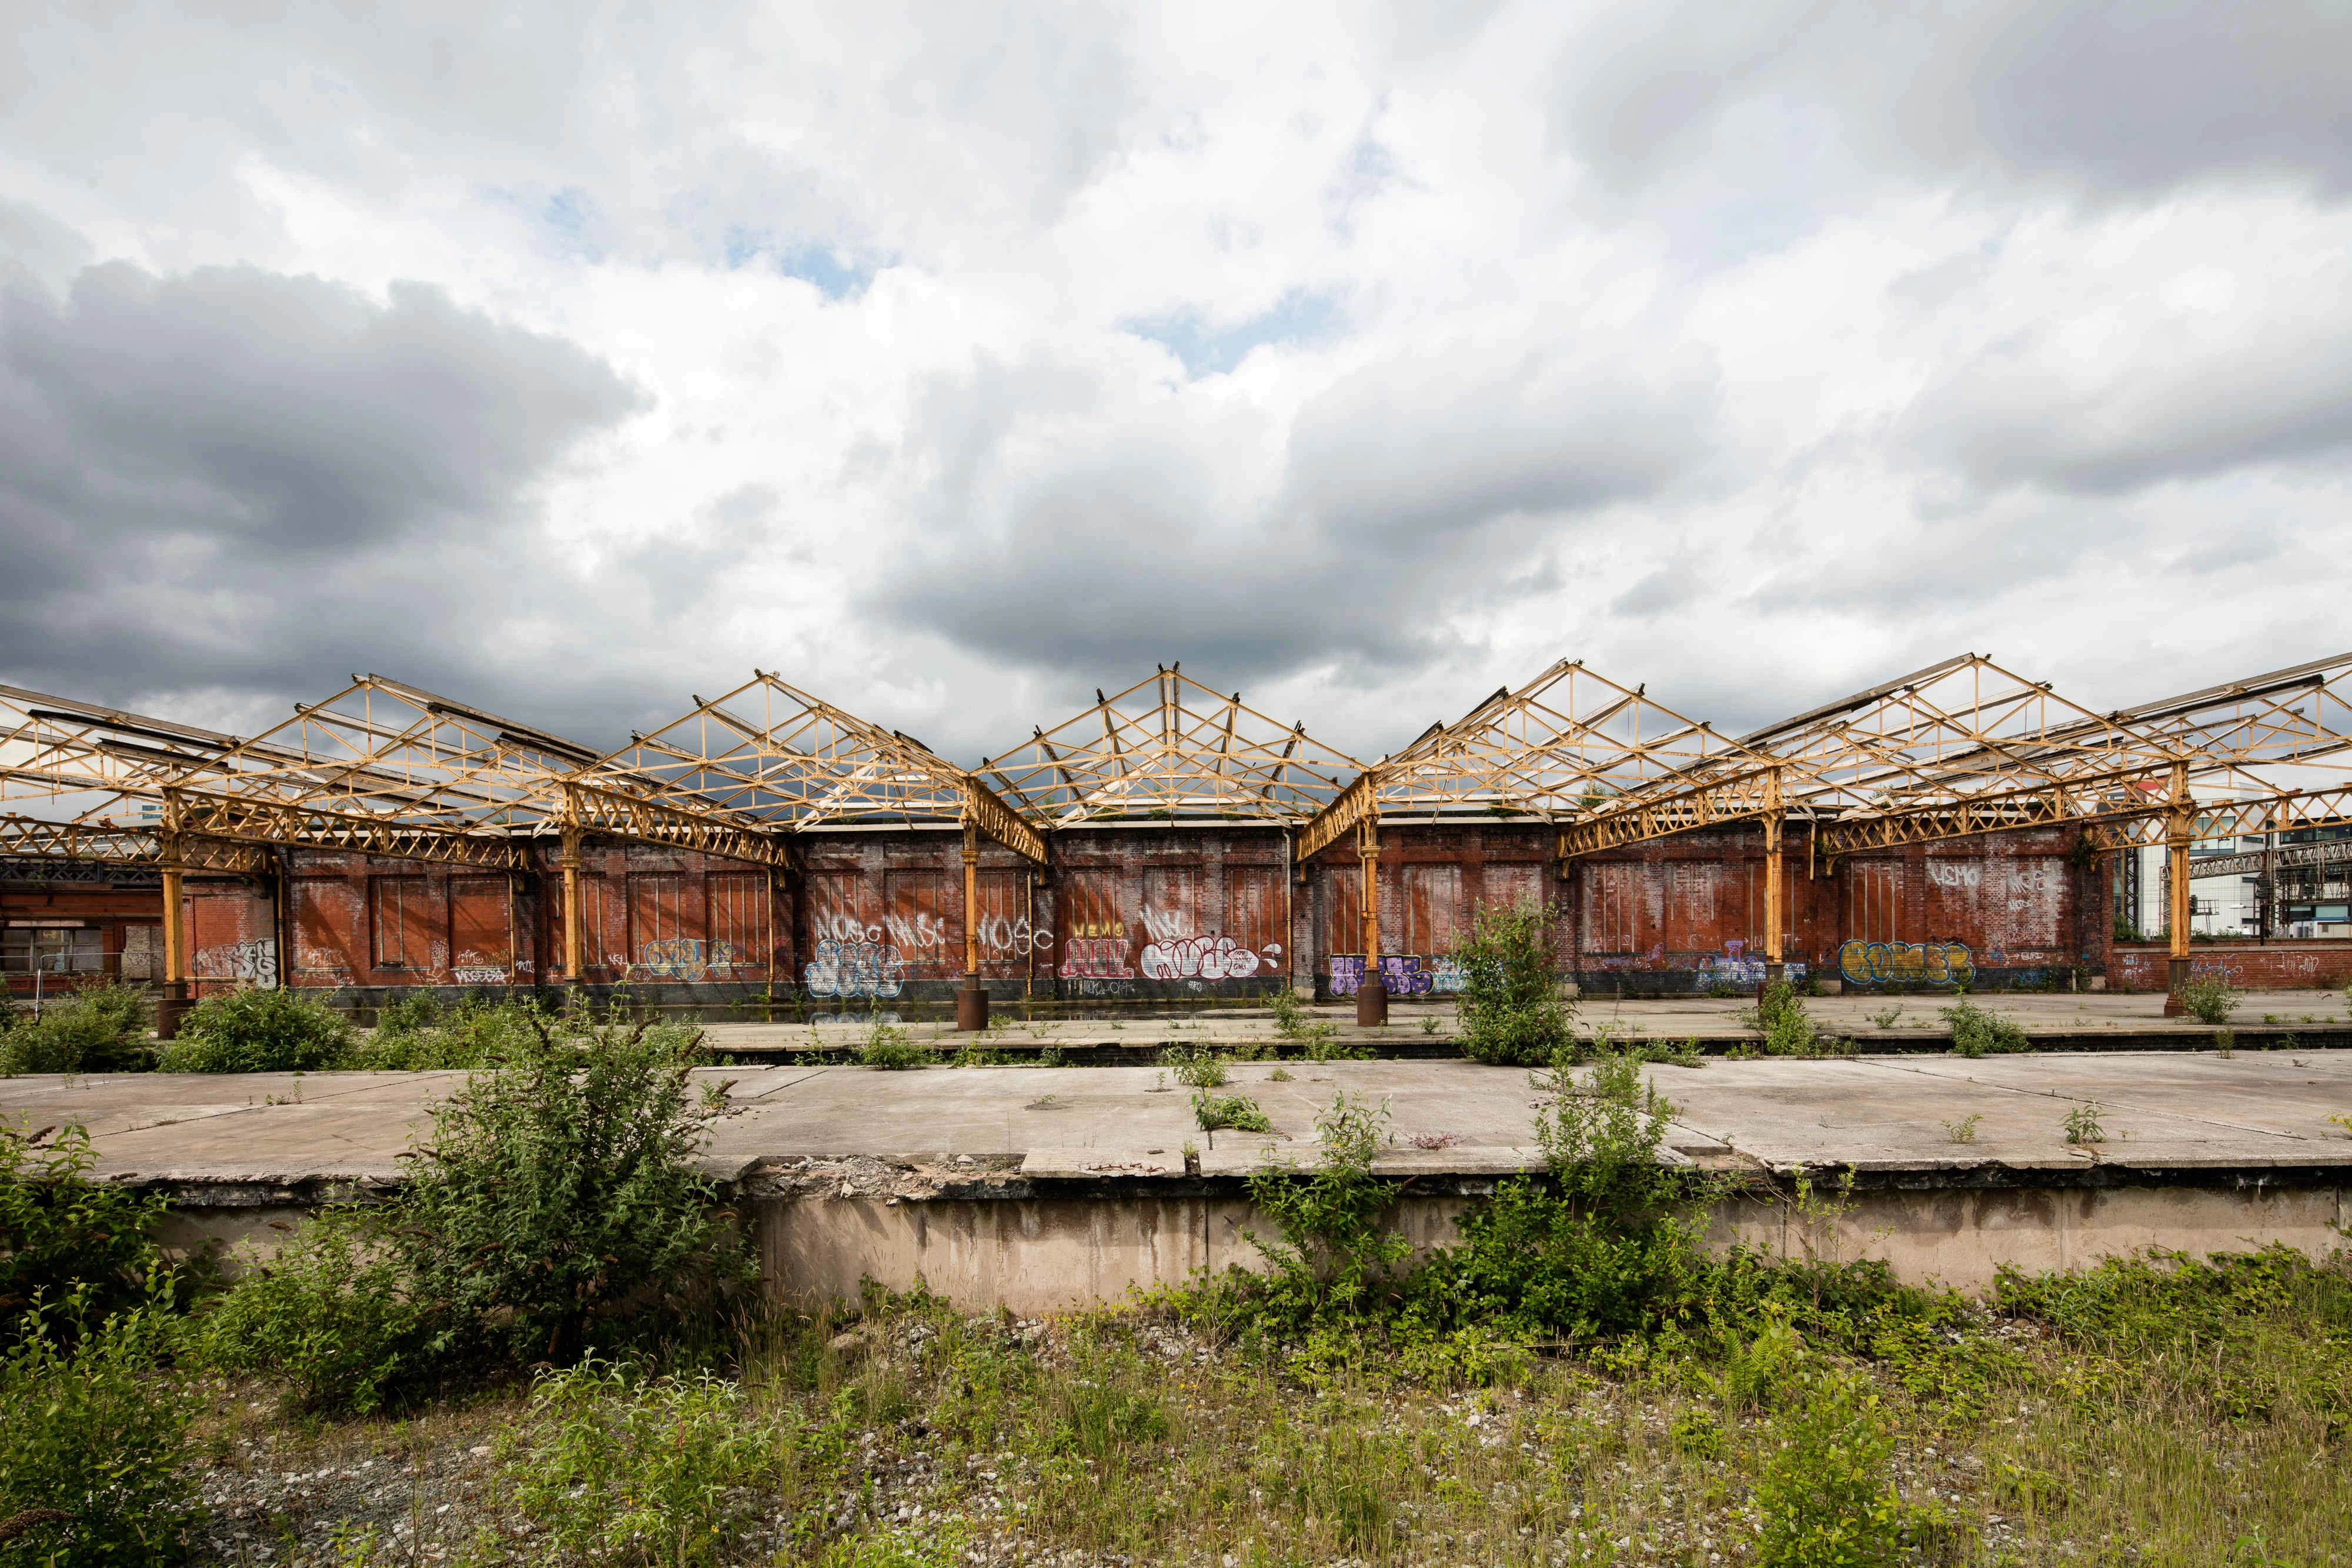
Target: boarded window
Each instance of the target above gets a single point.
(917, 915)
(1003, 922)
(1429, 916)
(1093, 935)
(1171, 904)
(481, 930)
(1254, 913)
(1343, 911)
(603, 923)
(1613, 906)
(739, 925)
(329, 919)
(1512, 885)
(1700, 917)
(401, 917)
(841, 908)
(1873, 901)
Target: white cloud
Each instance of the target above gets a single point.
(1367, 356)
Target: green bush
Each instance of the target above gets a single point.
(1976, 1031)
(610, 1468)
(81, 1249)
(1511, 1009)
(891, 1049)
(257, 1030)
(1333, 1256)
(94, 1433)
(331, 1313)
(1217, 1112)
(557, 1196)
(416, 1034)
(1826, 1493)
(1195, 1067)
(2209, 998)
(97, 1028)
(1779, 1015)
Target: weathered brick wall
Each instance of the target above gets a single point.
(2274, 966)
(232, 929)
(1138, 911)
(128, 920)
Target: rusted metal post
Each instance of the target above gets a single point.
(1774, 970)
(1373, 992)
(972, 1001)
(176, 1002)
(2180, 828)
(574, 916)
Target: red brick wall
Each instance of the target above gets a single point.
(2276, 966)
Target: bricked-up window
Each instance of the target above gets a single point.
(739, 923)
(915, 912)
(401, 914)
(1254, 914)
(1512, 884)
(1699, 917)
(1431, 901)
(481, 929)
(841, 908)
(657, 922)
(1004, 940)
(1873, 901)
(1612, 907)
(1343, 911)
(1171, 904)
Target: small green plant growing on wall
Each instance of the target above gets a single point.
(1963, 1131)
(1512, 1011)
(1196, 1068)
(2209, 999)
(1779, 1015)
(2081, 1123)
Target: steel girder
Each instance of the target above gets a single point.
(1169, 746)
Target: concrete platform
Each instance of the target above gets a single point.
(2054, 1020)
(1046, 1187)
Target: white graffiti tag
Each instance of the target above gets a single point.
(853, 970)
(255, 962)
(1198, 958)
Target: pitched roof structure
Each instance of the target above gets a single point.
(1166, 747)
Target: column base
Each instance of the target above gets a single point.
(1371, 1004)
(172, 1009)
(971, 1006)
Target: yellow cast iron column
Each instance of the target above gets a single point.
(1372, 993)
(971, 1002)
(2180, 827)
(1773, 937)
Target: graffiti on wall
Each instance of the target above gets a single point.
(253, 963)
(478, 975)
(1920, 962)
(1403, 974)
(1735, 965)
(687, 958)
(1001, 939)
(1203, 958)
(853, 970)
(1096, 953)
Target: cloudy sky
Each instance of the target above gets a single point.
(955, 361)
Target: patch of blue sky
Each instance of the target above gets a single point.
(1299, 317)
(832, 272)
(567, 217)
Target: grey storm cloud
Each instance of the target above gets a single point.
(2108, 97)
(231, 479)
(1415, 488)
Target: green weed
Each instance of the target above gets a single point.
(1217, 1112)
(1511, 1009)
(256, 1030)
(1976, 1031)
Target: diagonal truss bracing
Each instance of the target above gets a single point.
(768, 758)
(1566, 745)
(1168, 747)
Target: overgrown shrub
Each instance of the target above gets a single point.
(1606, 1245)
(612, 1468)
(332, 1313)
(1217, 1112)
(2209, 998)
(417, 1034)
(1512, 1011)
(891, 1049)
(96, 1029)
(1779, 1015)
(559, 1188)
(1827, 1493)
(1976, 1031)
(83, 1249)
(258, 1031)
(557, 1197)
(1194, 1067)
(1333, 1253)
(92, 1433)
